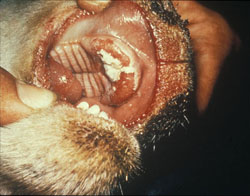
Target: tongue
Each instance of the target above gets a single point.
(64, 83)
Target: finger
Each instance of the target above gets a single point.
(34, 97)
(211, 45)
(212, 40)
(12, 109)
(19, 100)
(93, 5)
(190, 10)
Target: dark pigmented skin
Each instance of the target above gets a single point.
(177, 111)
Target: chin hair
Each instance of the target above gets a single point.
(62, 150)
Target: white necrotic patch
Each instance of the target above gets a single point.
(113, 67)
(108, 59)
(112, 73)
(63, 79)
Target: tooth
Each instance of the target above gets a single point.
(83, 105)
(95, 109)
(103, 115)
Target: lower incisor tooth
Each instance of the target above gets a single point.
(95, 109)
(103, 115)
(83, 105)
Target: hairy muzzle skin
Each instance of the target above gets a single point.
(123, 77)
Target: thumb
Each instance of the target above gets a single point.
(34, 97)
(18, 100)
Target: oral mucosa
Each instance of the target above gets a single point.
(130, 65)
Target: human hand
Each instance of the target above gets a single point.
(212, 40)
(19, 100)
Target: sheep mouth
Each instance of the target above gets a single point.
(110, 64)
(96, 66)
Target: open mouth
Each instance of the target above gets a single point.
(123, 63)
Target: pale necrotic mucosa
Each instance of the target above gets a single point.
(131, 59)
